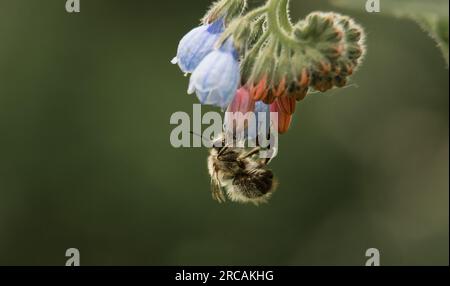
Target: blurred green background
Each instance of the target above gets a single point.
(86, 162)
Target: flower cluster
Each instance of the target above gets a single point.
(246, 59)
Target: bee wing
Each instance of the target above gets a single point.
(216, 190)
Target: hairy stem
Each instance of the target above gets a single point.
(275, 23)
(256, 13)
(259, 44)
(283, 12)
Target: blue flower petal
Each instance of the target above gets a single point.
(216, 27)
(262, 117)
(216, 79)
(197, 44)
(261, 107)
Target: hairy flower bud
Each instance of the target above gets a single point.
(260, 81)
(333, 48)
(227, 9)
(240, 30)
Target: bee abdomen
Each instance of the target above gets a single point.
(254, 184)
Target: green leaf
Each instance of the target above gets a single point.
(431, 15)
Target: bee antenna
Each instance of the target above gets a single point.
(201, 136)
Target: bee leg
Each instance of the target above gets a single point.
(268, 160)
(216, 189)
(223, 150)
(218, 196)
(250, 153)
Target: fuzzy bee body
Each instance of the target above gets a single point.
(240, 174)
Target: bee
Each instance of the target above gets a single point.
(241, 174)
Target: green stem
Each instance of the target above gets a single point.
(273, 19)
(259, 44)
(285, 21)
(255, 13)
